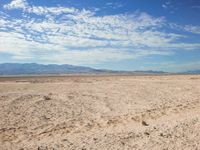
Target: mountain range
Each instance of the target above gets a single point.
(37, 69)
(40, 69)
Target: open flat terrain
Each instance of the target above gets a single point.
(100, 112)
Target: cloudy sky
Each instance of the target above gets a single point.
(110, 34)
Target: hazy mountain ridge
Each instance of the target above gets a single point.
(40, 69)
(33, 68)
(192, 72)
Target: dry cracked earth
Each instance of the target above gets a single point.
(100, 112)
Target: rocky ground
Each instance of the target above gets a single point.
(100, 112)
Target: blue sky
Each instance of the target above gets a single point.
(110, 34)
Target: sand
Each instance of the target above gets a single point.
(100, 112)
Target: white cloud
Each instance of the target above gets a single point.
(193, 29)
(114, 5)
(164, 6)
(169, 6)
(188, 28)
(17, 4)
(52, 10)
(42, 10)
(82, 37)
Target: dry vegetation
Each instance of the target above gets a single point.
(100, 112)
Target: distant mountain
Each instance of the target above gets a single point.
(151, 72)
(39, 69)
(192, 72)
(34, 69)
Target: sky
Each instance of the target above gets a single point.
(160, 35)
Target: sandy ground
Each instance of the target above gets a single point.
(100, 112)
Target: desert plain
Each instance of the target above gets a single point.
(104, 112)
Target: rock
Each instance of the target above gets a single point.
(144, 123)
(161, 134)
(47, 98)
(146, 133)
